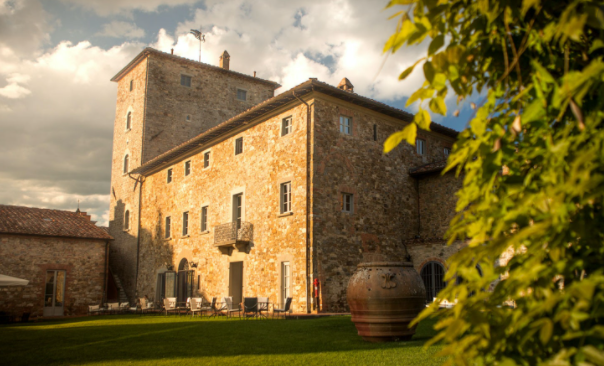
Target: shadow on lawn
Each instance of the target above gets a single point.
(120, 338)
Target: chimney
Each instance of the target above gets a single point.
(172, 51)
(254, 73)
(83, 214)
(346, 85)
(224, 60)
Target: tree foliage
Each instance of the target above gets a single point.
(532, 162)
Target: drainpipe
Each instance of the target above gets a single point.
(419, 218)
(138, 230)
(308, 208)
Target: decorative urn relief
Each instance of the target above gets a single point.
(384, 297)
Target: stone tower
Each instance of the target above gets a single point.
(164, 100)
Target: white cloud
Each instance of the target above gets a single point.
(119, 29)
(109, 7)
(14, 91)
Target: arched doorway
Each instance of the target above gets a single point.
(433, 275)
(185, 281)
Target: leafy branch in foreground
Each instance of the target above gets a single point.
(532, 162)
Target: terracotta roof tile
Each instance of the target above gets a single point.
(40, 221)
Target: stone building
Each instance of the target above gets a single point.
(220, 188)
(62, 254)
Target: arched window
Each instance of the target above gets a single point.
(129, 120)
(126, 164)
(127, 220)
(433, 275)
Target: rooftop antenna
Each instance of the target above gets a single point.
(200, 36)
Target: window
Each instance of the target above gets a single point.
(433, 275)
(188, 118)
(347, 202)
(127, 220)
(131, 85)
(185, 81)
(204, 218)
(206, 160)
(285, 282)
(241, 94)
(447, 152)
(346, 125)
(374, 132)
(420, 146)
(286, 197)
(187, 167)
(126, 158)
(237, 209)
(128, 120)
(239, 146)
(286, 126)
(168, 232)
(185, 223)
(169, 176)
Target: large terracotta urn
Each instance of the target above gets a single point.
(384, 297)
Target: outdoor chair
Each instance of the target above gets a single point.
(285, 310)
(250, 307)
(215, 309)
(170, 304)
(230, 308)
(146, 306)
(95, 310)
(205, 306)
(263, 307)
(196, 306)
(123, 308)
(113, 307)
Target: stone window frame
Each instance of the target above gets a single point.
(201, 217)
(129, 112)
(185, 224)
(237, 89)
(446, 151)
(290, 129)
(421, 148)
(126, 224)
(126, 160)
(180, 79)
(235, 146)
(203, 156)
(188, 167)
(281, 184)
(234, 192)
(350, 126)
(169, 175)
(168, 228)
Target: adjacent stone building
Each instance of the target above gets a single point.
(221, 189)
(62, 254)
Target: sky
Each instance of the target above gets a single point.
(57, 105)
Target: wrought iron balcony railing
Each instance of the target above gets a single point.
(231, 233)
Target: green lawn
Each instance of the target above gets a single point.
(173, 340)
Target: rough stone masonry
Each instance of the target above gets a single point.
(302, 172)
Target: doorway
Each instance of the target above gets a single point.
(54, 294)
(236, 282)
(185, 281)
(285, 282)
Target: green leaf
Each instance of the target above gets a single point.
(408, 134)
(439, 81)
(409, 70)
(428, 71)
(436, 43)
(593, 354)
(399, 38)
(422, 118)
(598, 43)
(545, 333)
(437, 105)
(534, 111)
(542, 72)
(527, 4)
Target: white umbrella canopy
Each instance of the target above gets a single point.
(12, 281)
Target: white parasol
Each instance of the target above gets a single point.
(12, 281)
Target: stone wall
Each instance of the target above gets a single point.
(268, 159)
(437, 202)
(385, 196)
(210, 100)
(29, 257)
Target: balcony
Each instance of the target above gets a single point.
(228, 237)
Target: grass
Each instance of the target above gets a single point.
(173, 340)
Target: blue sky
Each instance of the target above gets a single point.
(57, 105)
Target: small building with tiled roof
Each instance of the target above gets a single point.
(62, 254)
(219, 188)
